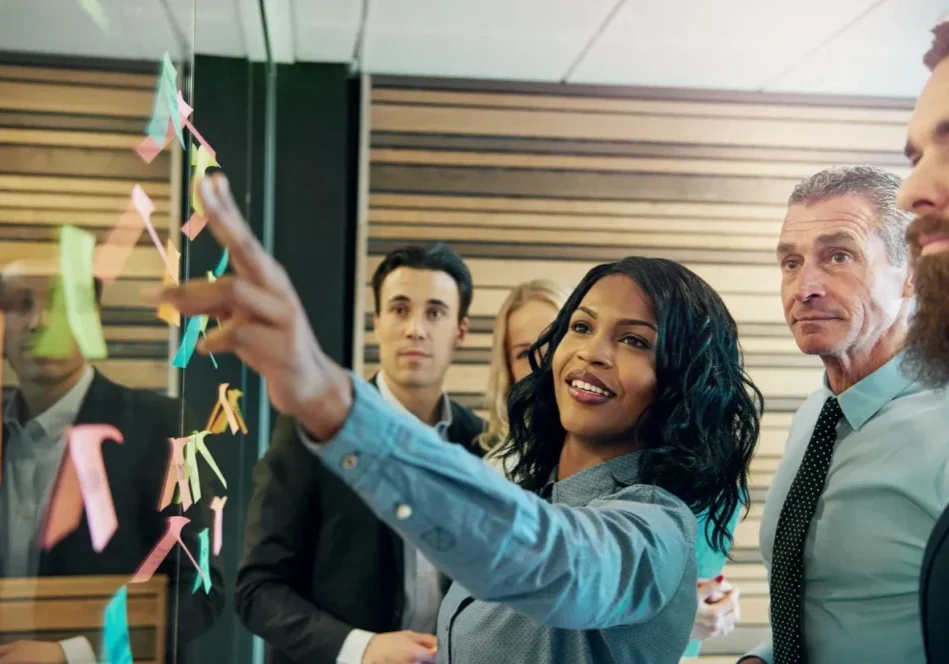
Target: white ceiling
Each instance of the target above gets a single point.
(862, 47)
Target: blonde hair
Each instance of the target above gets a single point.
(499, 379)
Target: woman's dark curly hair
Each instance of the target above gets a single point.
(697, 436)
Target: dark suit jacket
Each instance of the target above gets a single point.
(934, 593)
(136, 472)
(317, 562)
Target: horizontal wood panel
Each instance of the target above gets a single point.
(67, 139)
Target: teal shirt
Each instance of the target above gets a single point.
(887, 485)
(710, 562)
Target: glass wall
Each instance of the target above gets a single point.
(125, 454)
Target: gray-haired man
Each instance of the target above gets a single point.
(864, 474)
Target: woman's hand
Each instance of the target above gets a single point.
(263, 321)
(718, 611)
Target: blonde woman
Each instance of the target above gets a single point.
(528, 310)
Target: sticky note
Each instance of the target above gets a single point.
(204, 563)
(94, 9)
(202, 448)
(188, 341)
(77, 248)
(184, 109)
(221, 264)
(226, 412)
(194, 226)
(144, 206)
(160, 551)
(111, 257)
(115, 632)
(201, 159)
(150, 148)
(85, 449)
(176, 475)
(55, 339)
(165, 104)
(217, 506)
(65, 506)
(191, 461)
(210, 354)
(166, 311)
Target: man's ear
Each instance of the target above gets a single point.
(909, 286)
(462, 331)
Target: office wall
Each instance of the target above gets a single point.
(66, 157)
(533, 181)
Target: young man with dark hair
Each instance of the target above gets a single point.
(323, 580)
(52, 394)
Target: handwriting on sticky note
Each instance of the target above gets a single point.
(77, 248)
(217, 506)
(113, 254)
(194, 226)
(188, 341)
(64, 512)
(55, 339)
(167, 312)
(160, 551)
(116, 644)
(204, 563)
(85, 448)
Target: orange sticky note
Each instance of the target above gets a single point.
(176, 473)
(166, 311)
(226, 412)
(217, 504)
(85, 449)
(194, 225)
(65, 506)
(148, 149)
(158, 554)
(111, 257)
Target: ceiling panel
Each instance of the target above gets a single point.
(732, 44)
(882, 54)
(527, 39)
(325, 31)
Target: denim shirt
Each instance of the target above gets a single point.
(604, 572)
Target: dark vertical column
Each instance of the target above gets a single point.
(229, 112)
(314, 238)
(317, 162)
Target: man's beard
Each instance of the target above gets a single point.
(927, 345)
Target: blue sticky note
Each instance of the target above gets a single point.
(165, 105)
(204, 561)
(115, 633)
(221, 264)
(188, 341)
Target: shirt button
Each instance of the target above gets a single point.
(350, 461)
(403, 512)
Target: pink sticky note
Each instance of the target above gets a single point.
(184, 110)
(217, 504)
(65, 507)
(149, 148)
(176, 473)
(194, 226)
(158, 554)
(85, 449)
(200, 138)
(111, 256)
(144, 206)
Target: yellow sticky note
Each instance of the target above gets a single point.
(94, 9)
(202, 160)
(77, 248)
(56, 339)
(166, 311)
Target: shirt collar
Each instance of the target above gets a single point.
(444, 420)
(57, 417)
(582, 488)
(866, 398)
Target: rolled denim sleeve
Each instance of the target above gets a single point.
(614, 562)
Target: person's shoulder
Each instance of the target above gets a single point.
(134, 401)
(667, 503)
(465, 424)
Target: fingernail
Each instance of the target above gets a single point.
(720, 578)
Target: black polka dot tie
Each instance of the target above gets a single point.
(787, 561)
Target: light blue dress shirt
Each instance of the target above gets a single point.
(604, 573)
(888, 483)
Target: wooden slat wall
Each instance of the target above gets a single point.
(66, 157)
(547, 182)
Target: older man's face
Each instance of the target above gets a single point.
(926, 194)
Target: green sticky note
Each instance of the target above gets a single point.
(94, 9)
(76, 249)
(56, 339)
(199, 437)
(204, 561)
(191, 460)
